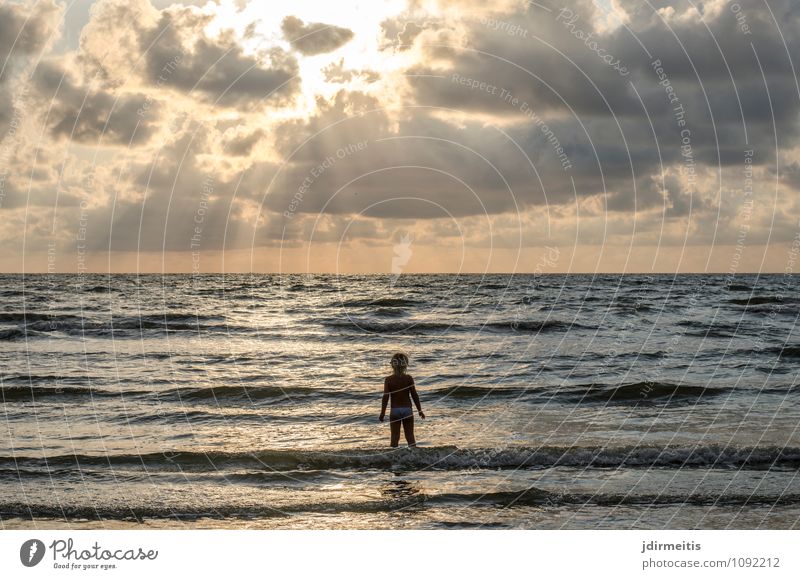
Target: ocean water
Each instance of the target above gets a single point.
(252, 401)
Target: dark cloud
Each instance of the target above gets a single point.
(216, 69)
(240, 143)
(791, 175)
(170, 49)
(25, 31)
(616, 142)
(314, 37)
(511, 113)
(354, 161)
(80, 113)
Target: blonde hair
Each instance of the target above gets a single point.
(399, 362)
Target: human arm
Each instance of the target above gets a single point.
(415, 398)
(384, 400)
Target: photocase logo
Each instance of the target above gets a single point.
(402, 253)
(31, 553)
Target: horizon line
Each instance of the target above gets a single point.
(551, 273)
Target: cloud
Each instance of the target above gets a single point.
(400, 32)
(216, 68)
(171, 49)
(488, 125)
(82, 114)
(337, 73)
(25, 32)
(555, 66)
(314, 38)
(110, 47)
(240, 142)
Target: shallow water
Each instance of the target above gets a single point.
(252, 401)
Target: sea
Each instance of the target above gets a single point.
(252, 401)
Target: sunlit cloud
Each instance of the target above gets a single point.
(465, 125)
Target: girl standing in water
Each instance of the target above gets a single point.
(399, 387)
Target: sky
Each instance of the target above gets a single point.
(399, 137)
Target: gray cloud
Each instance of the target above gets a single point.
(594, 110)
(448, 148)
(169, 49)
(240, 143)
(25, 31)
(82, 114)
(217, 69)
(314, 37)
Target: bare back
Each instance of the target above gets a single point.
(399, 387)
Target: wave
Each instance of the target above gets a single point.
(422, 327)
(639, 355)
(788, 351)
(437, 458)
(530, 497)
(27, 393)
(19, 393)
(21, 333)
(64, 319)
(25, 317)
(219, 393)
(8, 293)
(390, 312)
(250, 393)
(390, 327)
(757, 300)
(14, 334)
(716, 330)
(191, 512)
(138, 513)
(381, 303)
(543, 498)
(640, 392)
(471, 392)
(84, 327)
(40, 378)
(712, 333)
(537, 326)
(101, 289)
(627, 308)
(637, 392)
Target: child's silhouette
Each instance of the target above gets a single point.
(399, 387)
